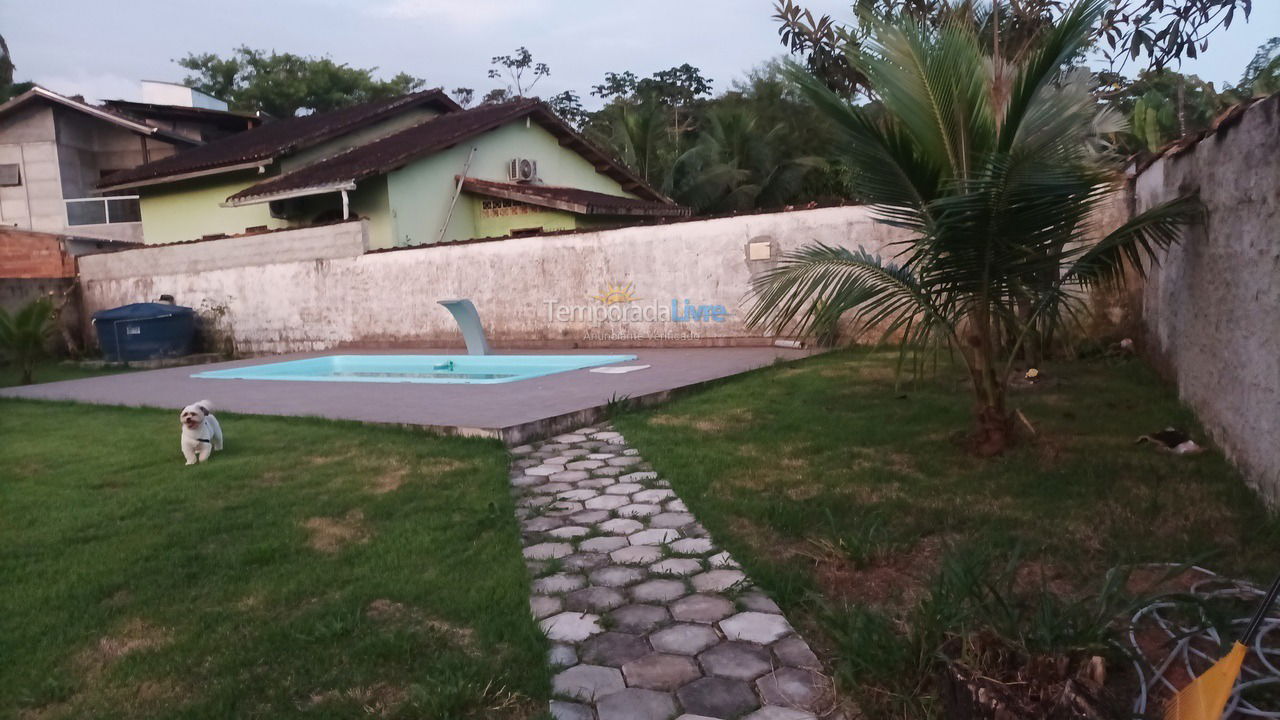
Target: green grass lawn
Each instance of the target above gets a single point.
(312, 569)
(53, 371)
(844, 493)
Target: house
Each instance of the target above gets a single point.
(54, 150)
(419, 168)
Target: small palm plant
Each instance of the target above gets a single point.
(993, 166)
(25, 335)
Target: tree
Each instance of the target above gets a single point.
(1162, 31)
(735, 165)
(569, 107)
(993, 169)
(464, 96)
(1163, 105)
(25, 335)
(514, 68)
(8, 88)
(1262, 75)
(284, 84)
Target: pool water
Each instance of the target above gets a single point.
(417, 368)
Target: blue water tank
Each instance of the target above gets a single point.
(143, 331)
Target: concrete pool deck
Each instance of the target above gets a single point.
(514, 412)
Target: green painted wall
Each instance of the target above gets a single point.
(419, 193)
(491, 226)
(190, 209)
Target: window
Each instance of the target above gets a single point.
(10, 175)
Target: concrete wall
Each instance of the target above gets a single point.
(534, 291)
(1212, 306)
(28, 139)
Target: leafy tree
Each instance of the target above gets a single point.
(8, 88)
(1163, 106)
(735, 165)
(515, 68)
(1162, 31)
(993, 169)
(678, 86)
(464, 96)
(284, 84)
(638, 134)
(569, 107)
(1262, 75)
(25, 336)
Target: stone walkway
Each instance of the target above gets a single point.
(649, 620)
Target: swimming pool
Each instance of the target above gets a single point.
(474, 369)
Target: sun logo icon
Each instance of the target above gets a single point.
(614, 293)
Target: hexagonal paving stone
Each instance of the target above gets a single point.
(636, 554)
(569, 531)
(638, 618)
(670, 520)
(691, 546)
(637, 704)
(558, 583)
(563, 507)
(653, 496)
(571, 626)
(548, 550)
(569, 476)
(792, 687)
(596, 483)
(621, 526)
(587, 682)
(601, 456)
(551, 488)
(569, 438)
(594, 599)
(759, 602)
(578, 495)
(608, 471)
(624, 488)
(677, 505)
(721, 560)
(562, 656)
(607, 435)
(583, 561)
(613, 649)
(617, 576)
(543, 605)
(755, 627)
(642, 476)
(676, 566)
(684, 639)
(584, 465)
(639, 510)
(543, 470)
(556, 460)
(717, 697)
(717, 580)
(527, 480)
(653, 537)
(701, 608)
(589, 517)
(624, 461)
(535, 501)
(661, 671)
(541, 524)
(607, 502)
(561, 710)
(737, 660)
(602, 545)
(658, 590)
(777, 712)
(795, 652)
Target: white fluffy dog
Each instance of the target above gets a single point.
(201, 433)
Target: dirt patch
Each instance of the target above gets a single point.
(389, 480)
(134, 636)
(400, 615)
(892, 579)
(377, 700)
(735, 419)
(329, 535)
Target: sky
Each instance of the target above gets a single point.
(103, 49)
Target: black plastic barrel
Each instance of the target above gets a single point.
(143, 331)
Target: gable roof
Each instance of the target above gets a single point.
(263, 144)
(431, 136)
(39, 93)
(574, 200)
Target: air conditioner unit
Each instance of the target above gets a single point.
(522, 170)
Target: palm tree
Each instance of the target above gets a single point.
(993, 167)
(735, 165)
(24, 336)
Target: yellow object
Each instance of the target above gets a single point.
(1206, 696)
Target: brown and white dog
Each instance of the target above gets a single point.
(201, 433)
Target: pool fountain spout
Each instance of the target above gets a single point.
(464, 313)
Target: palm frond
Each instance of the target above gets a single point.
(1133, 244)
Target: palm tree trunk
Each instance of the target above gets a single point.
(993, 429)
